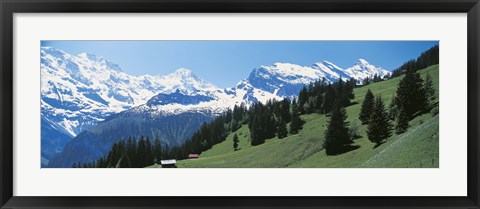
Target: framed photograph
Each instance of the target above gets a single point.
(250, 104)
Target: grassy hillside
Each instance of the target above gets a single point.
(418, 147)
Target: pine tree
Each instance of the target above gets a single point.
(379, 127)
(366, 81)
(329, 99)
(296, 123)
(401, 123)
(341, 93)
(302, 99)
(281, 129)
(270, 125)
(285, 110)
(337, 134)
(392, 109)
(235, 142)
(294, 108)
(429, 91)
(157, 151)
(349, 88)
(237, 118)
(310, 105)
(141, 153)
(256, 132)
(132, 151)
(319, 102)
(367, 107)
(411, 96)
(148, 158)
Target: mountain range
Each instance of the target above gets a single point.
(88, 102)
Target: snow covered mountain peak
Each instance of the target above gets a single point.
(363, 62)
(98, 61)
(284, 71)
(185, 81)
(362, 69)
(328, 63)
(89, 56)
(183, 73)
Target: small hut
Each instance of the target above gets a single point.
(169, 163)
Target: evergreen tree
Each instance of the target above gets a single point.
(401, 123)
(112, 156)
(122, 152)
(366, 81)
(124, 162)
(148, 158)
(131, 150)
(329, 99)
(157, 151)
(377, 78)
(141, 153)
(296, 123)
(302, 99)
(235, 142)
(392, 109)
(349, 88)
(310, 105)
(270, 126)
(411, 96)
(319, 102)
(255, 132)
(294, 108)
(429, 91)
(281, 129)
(285, 110)
(341, 93)
(379, 127)
(367, 107)
(337, 134)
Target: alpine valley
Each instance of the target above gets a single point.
(88, 103)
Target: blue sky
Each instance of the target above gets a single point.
(224, 63)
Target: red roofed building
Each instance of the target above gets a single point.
(193, 156)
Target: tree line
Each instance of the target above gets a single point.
(427, 58)
(131, 153)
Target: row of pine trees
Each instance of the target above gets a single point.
(131, 153)
(427, 58)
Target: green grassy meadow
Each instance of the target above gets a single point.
(418, 147)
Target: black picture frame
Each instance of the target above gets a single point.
(9, 7)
